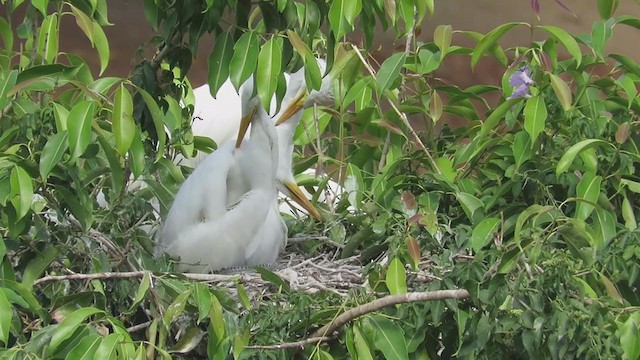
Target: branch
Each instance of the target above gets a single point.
(135, 274)
(389, 300)
(292, 345)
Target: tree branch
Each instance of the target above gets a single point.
(390, 300)
(292, 345)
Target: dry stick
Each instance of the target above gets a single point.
(136, 274)
(402, 115)
(390, 300)
(292, 345)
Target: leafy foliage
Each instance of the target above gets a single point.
(531, 206)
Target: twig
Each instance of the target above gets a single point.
(139, 327)
(390, 300)
(292, 345)
(133, 275)
(402, 115)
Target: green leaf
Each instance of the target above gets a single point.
(245, 57)
(470, 204)
(535, 116)
(6, 314)
(52, 153)
(483, 233)
(562, 91)
(600, 35)
(606, 8)
(355, 91)
(269, 68)
(117, 173)
(101, 44)
(628, 215)
(588, 189)
(522, 148)
(396, 278)
(137, 155)
(69, 325)
(7, 81)
(567, 158)
(79, 125)
(158, 120)
(107, 349)
(442, 38)
(494, 118)
(604, 225)
(435, 106)
(203, 300)
(219, 61)
(491, 39)
(143, 288)
(38, 265)
(21, 191)
(532, 210)
(123, 125)
(273, 278)
(175, 308)
(630, 337)
(338, 17)
(48, 38)
(389, 71)
(567, 40)
(388, 337)
(362, 346)
(85, 349)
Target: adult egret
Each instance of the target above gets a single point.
(213, 222)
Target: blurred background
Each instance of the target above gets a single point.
(130, 31)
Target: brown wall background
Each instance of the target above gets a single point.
(130, 31)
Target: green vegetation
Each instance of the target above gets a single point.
(531, 207)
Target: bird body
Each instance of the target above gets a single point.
(220, 216)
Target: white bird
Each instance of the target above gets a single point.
(222, 216)
(212, 119)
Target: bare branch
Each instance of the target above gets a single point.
(390, 300)
(292, 345)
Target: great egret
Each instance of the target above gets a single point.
(213, 222)
(212, 118)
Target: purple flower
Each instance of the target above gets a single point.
(521, 80)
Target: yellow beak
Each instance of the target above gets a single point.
(244, 125)
(298, 196)
(296, 105)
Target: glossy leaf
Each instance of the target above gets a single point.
(396, 278)
(435, 106)
(21, 191)
(37, 266)
(600, 35)
(567, 158)
(6, 314)
(628, 215)
(630, 336)
(604, 225)
(388, 337)
(362, 348)
(244, 59)
(469, 203)
(123, 126)
(389, 71)
(269, 68)
(48, 38)
(606, 8)
(70, 324)
(442, 38)
(562, 91)
(158, 120)
(219, 61)
(535, 116)
(107, 349)
(7, 81)
(483, 233)
(79, 125)
(85, 349)
(491, 39)
(588, 189)
(522, 148)
(566, 40)
(52, 153)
